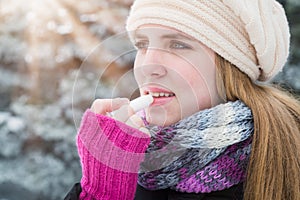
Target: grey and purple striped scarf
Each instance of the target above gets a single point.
(205, 152)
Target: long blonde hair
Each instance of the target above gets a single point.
(273, 171)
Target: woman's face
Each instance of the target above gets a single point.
(178, 71)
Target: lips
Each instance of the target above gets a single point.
(161, 96)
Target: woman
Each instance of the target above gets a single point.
(218, 129)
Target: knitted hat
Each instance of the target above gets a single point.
(251, 34)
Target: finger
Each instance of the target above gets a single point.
(103, 106)
(123, 113)
(135, 122)
(144, 130)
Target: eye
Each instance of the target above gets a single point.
(179, 45)
(141, 45)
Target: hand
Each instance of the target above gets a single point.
(120, 110)
(108, 148)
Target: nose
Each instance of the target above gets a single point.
(152, 63)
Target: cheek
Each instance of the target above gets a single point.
(137, 73)
(198, 96)
(200, 87)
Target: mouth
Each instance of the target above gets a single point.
(161, 96)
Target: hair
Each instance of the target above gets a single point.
(273, 171)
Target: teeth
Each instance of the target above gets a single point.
(161, 94)
(155, 94)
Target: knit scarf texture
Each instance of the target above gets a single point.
(207, 151)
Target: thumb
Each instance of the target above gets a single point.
(103, 106)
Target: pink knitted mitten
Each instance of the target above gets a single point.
(110, 154)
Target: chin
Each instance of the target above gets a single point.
(160, 123)
(161, 120)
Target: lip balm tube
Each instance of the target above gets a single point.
(138, 103)
(141, 102)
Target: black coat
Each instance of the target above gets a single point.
(233, 193)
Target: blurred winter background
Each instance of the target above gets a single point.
(56, 57)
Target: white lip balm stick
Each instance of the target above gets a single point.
(141, 102)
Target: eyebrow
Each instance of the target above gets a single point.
(168, 36)
(177, 36)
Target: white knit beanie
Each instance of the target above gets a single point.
(251, 34)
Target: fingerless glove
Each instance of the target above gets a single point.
(110, 153)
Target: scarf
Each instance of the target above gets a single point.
(207, 151)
